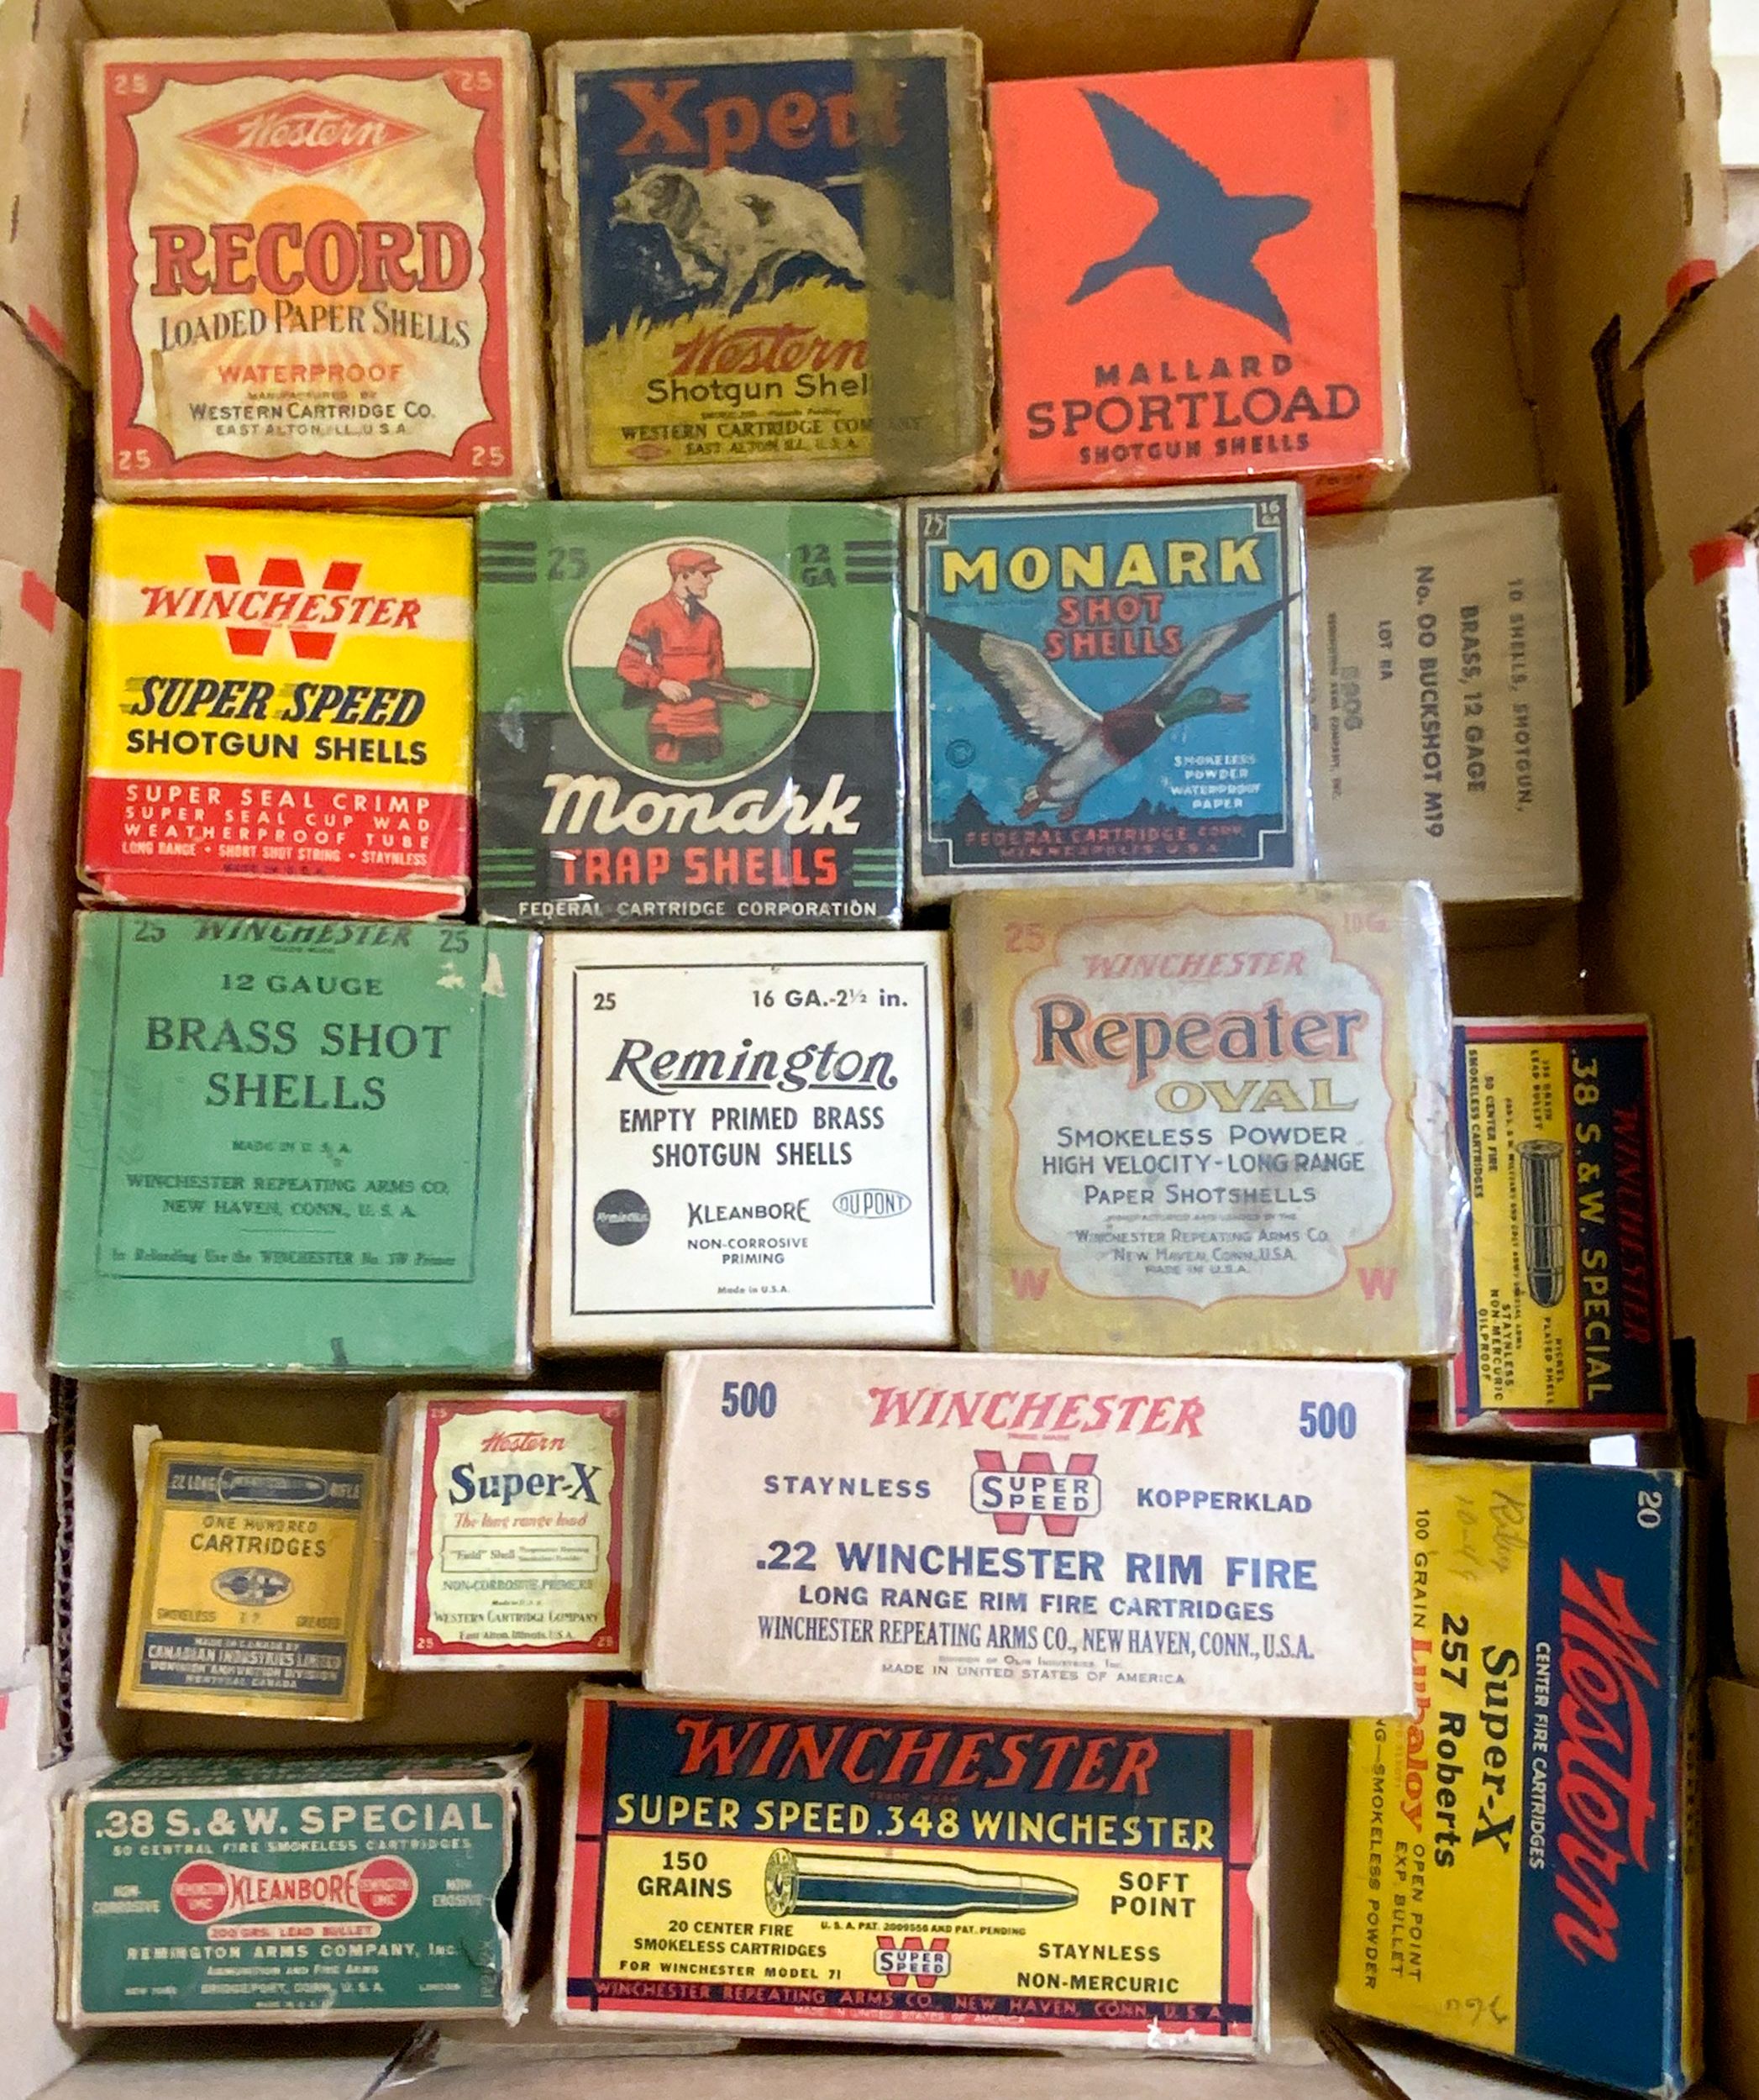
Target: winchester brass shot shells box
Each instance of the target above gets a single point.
(743, 1141)
(769, 263)
(1107, 687)
(314, 267)
(376, 1885)
(1055, 1533)
(1208, 1123)
(840, 1875)
(521, 1530)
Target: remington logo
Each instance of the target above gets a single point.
(579, 801)
(814, 1066)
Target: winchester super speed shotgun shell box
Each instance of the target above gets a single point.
(1521, 1867)
(194, 1890)
(834, 1874)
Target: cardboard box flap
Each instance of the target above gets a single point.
(340, 2064)
(1703, 470)
(253, 17)
(42, 198)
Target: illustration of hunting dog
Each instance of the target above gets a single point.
(730, 233)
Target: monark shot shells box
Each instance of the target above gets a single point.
(1207, 1123)
(314, 267)
(1197, 276)
(257, 1576)
(1521, 1866)
(296, 1145)
(279, 713)
(743, 1141)
(1058, 1535)
(1106, 687)
(520, 1530)
(837, 1875)
(689, 714)
(1566, 1317)
(374, 1886)
(770, 262)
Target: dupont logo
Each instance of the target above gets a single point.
(304, 132)
(254, 1587)
(871, 1203)
(313, 613)
(1014, 1496)
(907, 1961)
(206, 1892)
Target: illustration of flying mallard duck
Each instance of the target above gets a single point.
(1084, 746)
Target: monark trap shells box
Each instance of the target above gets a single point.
(1444, 687)
(521, 1529)
(296, 1145)
(690, 714)
(1566, 1327)
(1061, 1534)
(257, 1576)
(279, 713)
(1209, 1123)
(839, 1875)
(1521, 1861)
(314, 267)
(370, 1887)
(1106, 686)
(743, 1141)
(770, 264)
(1197, 276)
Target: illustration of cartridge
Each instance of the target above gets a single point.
(870, 1885)
(1545, 1247)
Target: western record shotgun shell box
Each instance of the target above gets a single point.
(279, 712)
(315, 268)
(833, 1874)
(689, 714)
(1521, 1869)
(1106, 686)
(1207, 1123)
(1197, 277)
(770, 264)
(196, 1890)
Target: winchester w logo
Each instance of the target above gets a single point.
(303, 132)
(311, 614)
(1035, 1489)
(906, 1961)
(206, 1892)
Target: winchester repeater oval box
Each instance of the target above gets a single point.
(314, 267)
(689, 713)
(1521, 1863)
(197, 1890)
(770, 265)
(744, 1142)
(521, 1524)
(1056, 1534)
(255, 1581)
(1207, 1123)
(296, 1145)
(832, 1874)
(1108, 686)
(279, 712)
(1197, 277)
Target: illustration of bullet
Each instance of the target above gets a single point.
(871, 1885)
(1544, 1250)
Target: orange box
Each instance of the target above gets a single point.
(1198, 279)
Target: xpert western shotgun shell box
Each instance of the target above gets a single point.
(315, 268)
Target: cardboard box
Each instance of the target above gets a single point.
(769, 258)
(842, 1876)
(1061, 1535)
(1107, 687)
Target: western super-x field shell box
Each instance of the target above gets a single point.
(689, 712)
(1565, 1325)
(296, 1145)
(521, 1530)
(279, 712)
(1444, 688)
(256, 1582)
(770, 264)
(371, 1887)
(1521, 1861)
(314, 267)
(1107, 687)
(744, 1142)
(1057, 1533)
(1207, 1123)
(841, 1875)
(1197, 276)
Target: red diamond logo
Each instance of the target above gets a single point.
(303, 132)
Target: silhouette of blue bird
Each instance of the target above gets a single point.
(1206, 237)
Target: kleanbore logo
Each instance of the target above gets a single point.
(1034, 1488)
(303, 132)
(906, 1961)
(205, 1891)
(280, 602)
